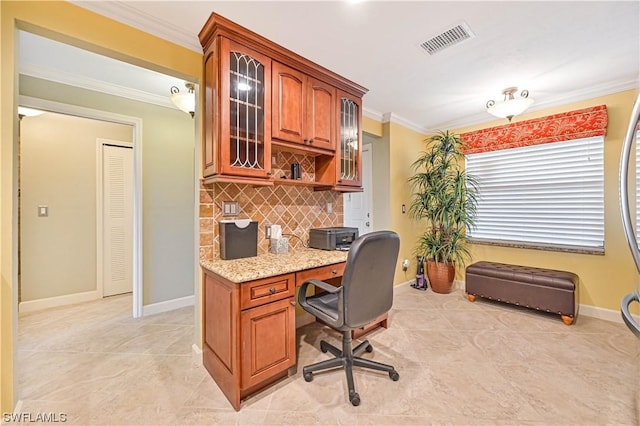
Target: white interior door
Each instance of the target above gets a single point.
(117, 193)
(357, 205)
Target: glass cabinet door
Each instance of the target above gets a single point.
(349, 153)
(246, 139)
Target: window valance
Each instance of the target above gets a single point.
(578, 124)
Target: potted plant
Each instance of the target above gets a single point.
(446, 197)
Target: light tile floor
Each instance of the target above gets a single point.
(460, 363)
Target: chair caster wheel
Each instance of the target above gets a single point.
(369, 348)
(394, 375)
(308, 377)
(355, 399)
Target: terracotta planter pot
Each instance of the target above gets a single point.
(441, 276)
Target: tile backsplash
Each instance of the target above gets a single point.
(296, 208)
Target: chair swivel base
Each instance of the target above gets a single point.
(348, 358)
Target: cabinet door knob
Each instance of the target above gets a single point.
(269, 173)
(310, 140)
(305, 140)
(293, 303)
(272, 290)
(334, 272)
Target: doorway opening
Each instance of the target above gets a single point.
(358, 211)
(79, 202)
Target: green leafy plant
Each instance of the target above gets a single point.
(446, 196)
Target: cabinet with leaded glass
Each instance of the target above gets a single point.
(349, 152)
(264, 103)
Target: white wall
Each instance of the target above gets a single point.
(58, 170)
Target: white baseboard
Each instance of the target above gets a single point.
(53, 302)
(405, 283)
(196, 350)
(603, 313)
(458, 285)
(167, 305)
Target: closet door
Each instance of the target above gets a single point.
(117, 169)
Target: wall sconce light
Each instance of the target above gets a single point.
(185, 101)
(510, 106)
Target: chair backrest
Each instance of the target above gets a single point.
(368, 277)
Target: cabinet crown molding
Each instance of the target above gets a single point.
(218, 25)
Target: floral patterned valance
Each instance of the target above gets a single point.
(582, 123)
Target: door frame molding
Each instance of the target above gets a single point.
(369, 189)
(136, 122)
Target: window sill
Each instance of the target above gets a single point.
(539, 246)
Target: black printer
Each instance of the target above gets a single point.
(338, 238)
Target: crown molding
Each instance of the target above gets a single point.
(604, 89)
(372, 113)
(127, 14)
(390, 117)
(95, 85)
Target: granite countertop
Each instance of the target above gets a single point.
(269, 265)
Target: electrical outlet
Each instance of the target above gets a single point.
(329, 208)
(405, 265)
(267, 231)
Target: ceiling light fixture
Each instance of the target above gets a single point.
(510, 106)
(185, 101)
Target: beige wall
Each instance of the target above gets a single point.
(168, 205)
(405, 145)
(604, 279)
(68, 23)
(58, 169)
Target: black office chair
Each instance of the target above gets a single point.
(365, 294)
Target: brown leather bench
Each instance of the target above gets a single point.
(536, 288)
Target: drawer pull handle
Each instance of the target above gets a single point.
(334, 272)
(272, 290)
(293, 303)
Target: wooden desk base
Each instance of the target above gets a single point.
(381, 321)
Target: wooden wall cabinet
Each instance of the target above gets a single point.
(303, 109)
(237, 113)
(349, 150)
(258, 96)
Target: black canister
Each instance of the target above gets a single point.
(295, 171)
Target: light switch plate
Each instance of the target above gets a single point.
(329, 208)
(230, 208)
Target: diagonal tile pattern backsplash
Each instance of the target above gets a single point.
(296, 208)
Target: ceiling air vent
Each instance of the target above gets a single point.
(448, 38)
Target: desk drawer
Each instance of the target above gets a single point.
(259, 292)
(321, 273)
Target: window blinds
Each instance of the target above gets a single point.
(549, 194)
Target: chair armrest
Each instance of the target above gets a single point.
(302, 292)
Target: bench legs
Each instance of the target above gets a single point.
(567, 319)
